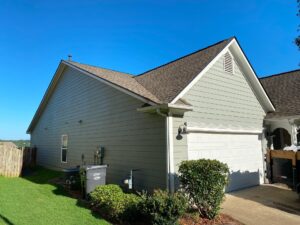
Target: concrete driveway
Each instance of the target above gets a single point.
(265, 204)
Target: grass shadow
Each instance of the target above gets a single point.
(41, 175)
(6, 220)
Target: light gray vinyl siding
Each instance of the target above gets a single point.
(219, 100)
(132, 139)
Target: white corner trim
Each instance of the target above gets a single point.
(198, 77)
(170, 154)
(109, 83)
(220, 130)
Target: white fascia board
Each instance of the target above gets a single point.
(276, 118)
(57, 76)
(46, 96)
(198, 77)
(110, 84)
(253, 78)
(188, 129)
(267, 104)
(177, 106)
(183, 108)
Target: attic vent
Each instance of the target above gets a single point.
(228, 63)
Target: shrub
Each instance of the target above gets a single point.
(204, 182)
(114, 203)
(163, 208)
(131, 211)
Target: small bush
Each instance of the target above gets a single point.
(131, 211)
(204, 182)
(163, 208)
(114, 203)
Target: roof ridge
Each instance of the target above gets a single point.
(279, 74)
(194, 52)
(125, 73)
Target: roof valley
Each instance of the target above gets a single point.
(161, 84)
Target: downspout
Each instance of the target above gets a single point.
(169, 152)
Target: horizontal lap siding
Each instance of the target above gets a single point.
(219, 99)
(132, 140)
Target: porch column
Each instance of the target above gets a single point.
(294, 128)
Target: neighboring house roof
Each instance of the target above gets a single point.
(164, 84)
(283, 90)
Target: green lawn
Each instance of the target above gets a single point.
(32, 200)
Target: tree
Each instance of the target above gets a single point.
(297, 39)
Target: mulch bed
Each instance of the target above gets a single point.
(222, 219)
(191, 218)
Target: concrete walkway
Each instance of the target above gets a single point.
(266, 205)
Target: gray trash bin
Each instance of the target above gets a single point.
(95, 175)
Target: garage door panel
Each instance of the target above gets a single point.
(242, 153)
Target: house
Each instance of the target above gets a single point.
(282, 126)
(208, 104)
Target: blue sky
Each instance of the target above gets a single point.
(129, 36)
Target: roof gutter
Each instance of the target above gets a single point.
(276, 118)
(54, 82)
(166, 107)
(118, 87)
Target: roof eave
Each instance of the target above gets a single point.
(202, 72)
(253, 79)
(55, 79)
(234, 46)
(177, 109)
(120, 88)
(282, 117)
(46, 96)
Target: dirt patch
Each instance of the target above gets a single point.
(194, 219)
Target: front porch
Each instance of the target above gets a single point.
(282, 132)
(282, 139)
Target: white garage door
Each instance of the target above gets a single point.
(242, 153)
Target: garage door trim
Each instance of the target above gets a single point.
(233, 151)
(188, 129)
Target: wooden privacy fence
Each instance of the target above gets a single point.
(13, 159)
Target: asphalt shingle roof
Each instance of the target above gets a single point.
(164, 83)
(168, 80)
(284, 91)
(123, 80)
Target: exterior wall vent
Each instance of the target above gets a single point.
(228, 63)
